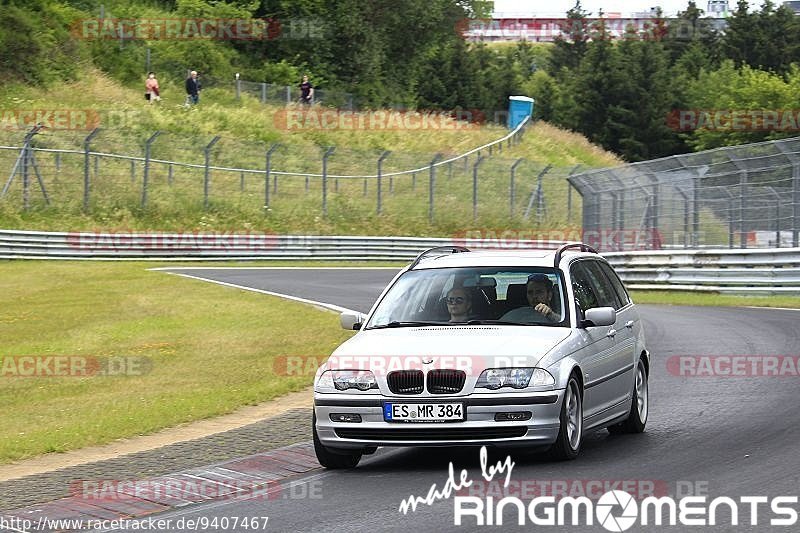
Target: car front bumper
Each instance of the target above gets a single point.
(479, 428)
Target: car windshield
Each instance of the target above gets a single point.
(475, 295)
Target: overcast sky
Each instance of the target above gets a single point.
(626, 7)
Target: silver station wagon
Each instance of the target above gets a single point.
(510, 348)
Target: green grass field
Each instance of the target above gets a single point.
(211, 348)
(719, 300)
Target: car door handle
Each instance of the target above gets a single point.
(629, 324)
(611, 333)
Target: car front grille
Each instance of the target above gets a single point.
(431, 433)
(443, 381)
(406, 381)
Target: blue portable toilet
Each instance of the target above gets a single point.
(519, 107)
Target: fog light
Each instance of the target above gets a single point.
(513, 417)
(345, 417)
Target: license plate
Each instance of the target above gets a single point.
(423, 412)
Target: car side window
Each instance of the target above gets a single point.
(622, 293)
(606, 295)
(582, 287)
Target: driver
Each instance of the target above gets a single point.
(459, 304)
(539, 290)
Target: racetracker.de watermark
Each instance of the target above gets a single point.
(188, 29)
(74, 366)
(56, 119)
(527, 239)
(179, 242)
(593, 489)
(549, 29)
(192, 489)
(314, 118)
(734, 366)
(787, 120)
(471, 365)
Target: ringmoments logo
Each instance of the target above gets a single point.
(617, 511)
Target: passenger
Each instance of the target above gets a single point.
(539, 290)
(459, 304)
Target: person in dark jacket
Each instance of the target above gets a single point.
(192, 88)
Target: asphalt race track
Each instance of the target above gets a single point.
(720, 436)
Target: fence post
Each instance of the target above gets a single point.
(432, 184)
(742, 208)
(133, 171)
(325, 157)
(383, 156)
(86, 184)
(731, 226)
(569, 191)
(146, 175)
(413, 181)
(207, 174)
(288, 94)
(475, 187)
(512, 197)
(26, 184)
(238, 87)
(169, 174)
(795, 205)
(58, 162)
(777, 215)
(263, 93)
(537, 193)
(268, 171)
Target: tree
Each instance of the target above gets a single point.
(568, 52)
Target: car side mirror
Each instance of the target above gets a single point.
(352, 321)
(599, 316)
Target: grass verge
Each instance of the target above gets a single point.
(716, 300)
(211, 349)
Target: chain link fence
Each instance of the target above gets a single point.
(108, 169)
(736, 197)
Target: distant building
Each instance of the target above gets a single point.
(646, 14)
(794, 5)
(718, 9)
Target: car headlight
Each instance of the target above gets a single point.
(516, 378)
(341, 380)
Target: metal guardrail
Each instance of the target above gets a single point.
(754, 271)
(774, 271)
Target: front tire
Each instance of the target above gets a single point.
(570, 434)
(333, 458)
(637, 417)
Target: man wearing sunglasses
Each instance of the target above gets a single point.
(539, 291)
(459, 304)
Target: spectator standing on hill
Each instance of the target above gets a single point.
(306, 91)
(151, 92)
(192, 88)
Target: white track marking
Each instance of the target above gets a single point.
(323, 305)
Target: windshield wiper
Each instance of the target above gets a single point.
(396, 324)
(493, 323)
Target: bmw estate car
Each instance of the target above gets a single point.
(508, 348)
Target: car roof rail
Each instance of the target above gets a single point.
(564, 247)
(440, 250)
